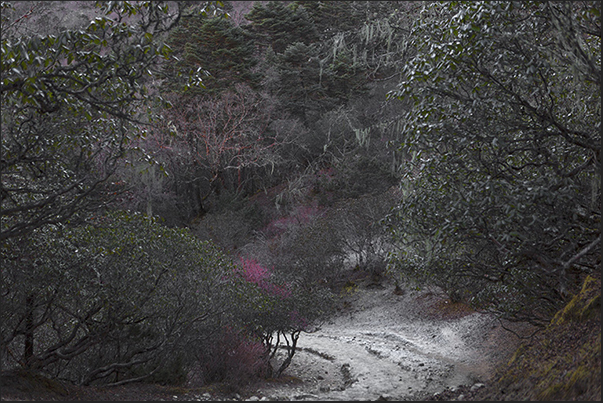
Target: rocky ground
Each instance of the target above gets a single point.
(388, 344)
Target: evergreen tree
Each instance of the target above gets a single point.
(278, 25)
(332, 17)
(301, 87)
(223, 51)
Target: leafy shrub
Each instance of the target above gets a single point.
(232, 357)
(284, 307)
(112, 300)
(502, 173)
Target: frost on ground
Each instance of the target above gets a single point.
(393, 347)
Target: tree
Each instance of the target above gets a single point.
(282, 310)
(370, 34)
(503, 196)
(71, 103)
(221, 142)
(333, 17)
(359, 223)
(300, 87)
(117, 299)
(223, 51)
(278, 25)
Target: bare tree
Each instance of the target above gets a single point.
(221, 141)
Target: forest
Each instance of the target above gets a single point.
(191, 185)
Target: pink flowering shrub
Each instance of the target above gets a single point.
(300, 216)
(233, 358)
(252, 271)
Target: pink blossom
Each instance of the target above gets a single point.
(253, 272)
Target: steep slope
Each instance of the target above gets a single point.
(563, 362)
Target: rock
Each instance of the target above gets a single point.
(477, 386)
(253, 399)
(305, 396)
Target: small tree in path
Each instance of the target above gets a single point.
(282, 311)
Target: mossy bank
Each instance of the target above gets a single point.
(563, 362)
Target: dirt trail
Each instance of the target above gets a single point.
(393, 347)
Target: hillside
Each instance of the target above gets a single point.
(563, 362)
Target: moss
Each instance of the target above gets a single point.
(550, 392)
(517, 354)
(350, 288)
(564, 361)
(592, 308)
(575, 383)
(585, 305)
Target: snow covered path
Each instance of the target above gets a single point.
(392, 347)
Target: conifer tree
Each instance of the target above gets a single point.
(223, 51)
(278, 25)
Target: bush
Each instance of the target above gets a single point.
(233, 358)
(110, 301)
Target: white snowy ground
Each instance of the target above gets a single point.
(392, 347)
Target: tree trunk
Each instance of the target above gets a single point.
(28, 349)
(290, 353)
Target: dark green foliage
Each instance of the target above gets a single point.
(116, 298)
(503, 142)
(279, 25)
(222, 50)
